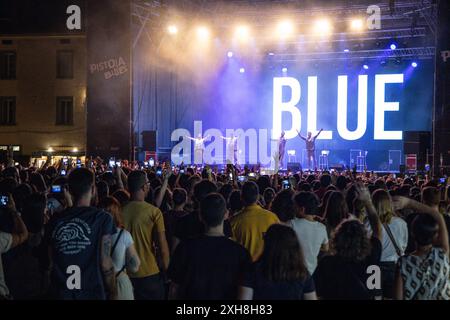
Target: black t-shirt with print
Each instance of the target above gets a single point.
(263, 289)
(209, 268)
(338, 279)
(75, 238)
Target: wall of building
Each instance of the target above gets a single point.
(36, 89)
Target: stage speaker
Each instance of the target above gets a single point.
(294, 166)
(418, 143)
(149, 141)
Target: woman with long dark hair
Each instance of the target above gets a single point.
(280, 273)
(424, 274)
(344, 273)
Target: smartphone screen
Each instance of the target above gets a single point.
(241, 178)
(151, 162)
(63, 172)
(56, 189)
(4, 201)
(286, 184)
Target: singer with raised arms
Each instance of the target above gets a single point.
(310, 142)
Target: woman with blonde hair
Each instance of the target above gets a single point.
(123, 252)
(394, 239)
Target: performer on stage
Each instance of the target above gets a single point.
(199, 148)
(281, 149)
(310, 148)
(232, 148)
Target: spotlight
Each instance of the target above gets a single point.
(366, 67)
(414, 64)
(346, 50)
(75, 150)
(230, 54)
(202, 33)
(50, 149)
(285, 28)
(357, 24)
(393, 46)
(271, 54)
(172, 29)
(241, 70)
(322, 26)
(284, 70)
(242, 33)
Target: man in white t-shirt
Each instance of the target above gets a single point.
(10, 240)
(311, 233)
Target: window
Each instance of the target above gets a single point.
(64, 111)
(7, 65)
(7, 111)
(64, 65)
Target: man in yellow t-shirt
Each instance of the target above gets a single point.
(143, 220)
(252, 222)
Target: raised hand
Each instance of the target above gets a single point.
(399, 202)
(363, 193)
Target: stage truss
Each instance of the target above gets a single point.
(412, 24)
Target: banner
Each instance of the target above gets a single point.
(109, 78)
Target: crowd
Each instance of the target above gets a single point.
(157, 233)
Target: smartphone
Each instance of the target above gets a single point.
(78, 163)
(112, 162)
(4, 200)
(286, 184)
(242, 178)
(252, 174)
(63, 172)
(151, 162)
(181, 171)
(159, 172)
(65, 161)
(56, 189)
(231, 176)
(442, 180)
(145, 164)
(118, 164)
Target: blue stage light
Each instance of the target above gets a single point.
(414, 64)
(241, 70)
(284, 70)
(366, 66)
(393, 46)
(230, 54)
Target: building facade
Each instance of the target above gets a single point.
(43, 94)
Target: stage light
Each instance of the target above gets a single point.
(242, 33)
(366, 66)
(285, 28)
(322, 26)
(202, 33)
(346, 50)
(75, 150)
(357, 24)
(172, 29)
(414, 64)
(271, 54)
(241, 70)
(393, 46)
(284, 70)
(230, 54)
(50, 149)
